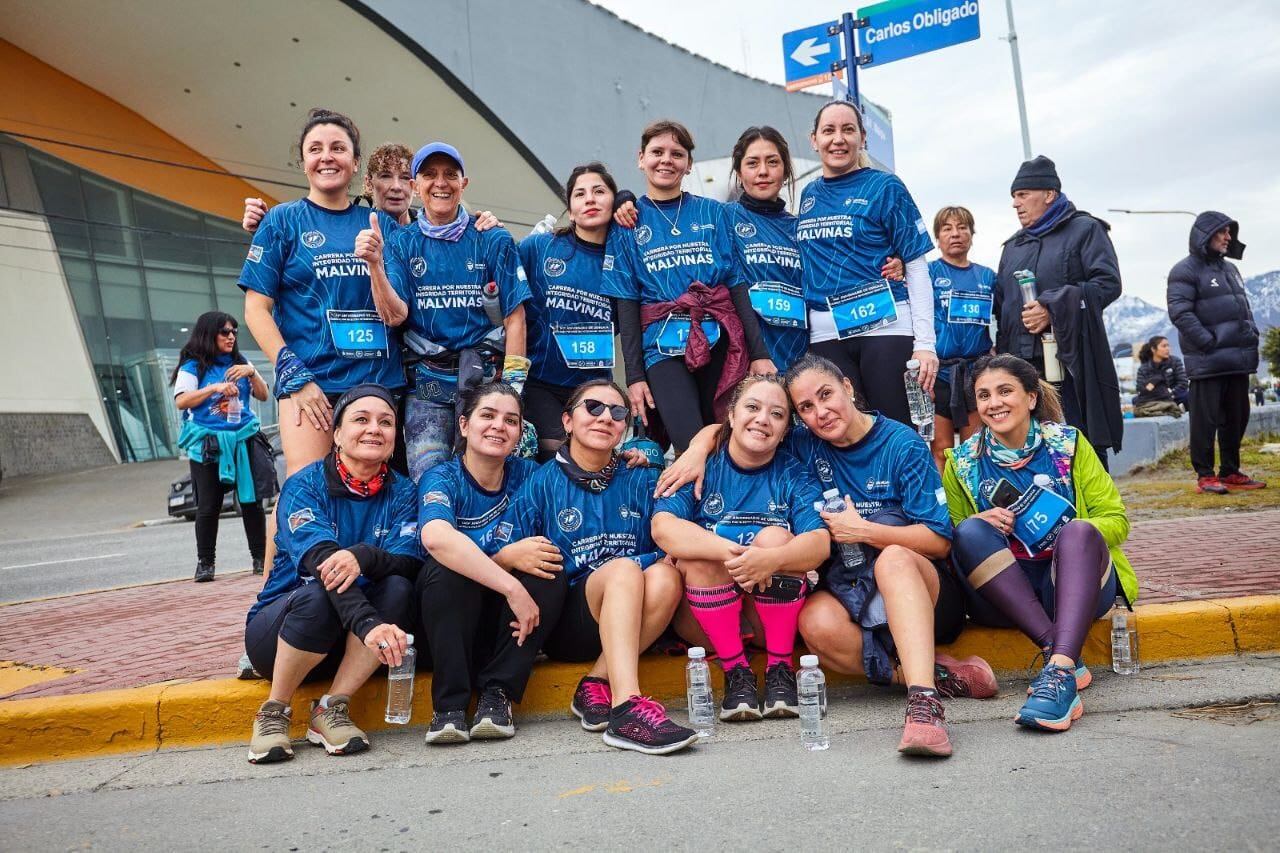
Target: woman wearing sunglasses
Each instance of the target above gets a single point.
(585, 516)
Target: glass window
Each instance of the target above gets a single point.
(108, 203)
(172, 235)
(228, 243)
(60, 196)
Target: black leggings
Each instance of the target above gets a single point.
(209, 491)
(543, 405)
(875, 366)
(686, 400)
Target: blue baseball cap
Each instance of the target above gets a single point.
(436, 148)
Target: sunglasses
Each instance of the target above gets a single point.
(228, 332)
(595, 407)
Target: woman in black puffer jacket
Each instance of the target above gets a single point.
(1162, 381)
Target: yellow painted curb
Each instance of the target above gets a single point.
(202, 713)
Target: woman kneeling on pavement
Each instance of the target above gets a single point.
(340, 590)
(485, 622)
(756, 531)
(586, 516)
(1039, 524)
(880, 617)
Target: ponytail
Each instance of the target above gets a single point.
(1048, 403)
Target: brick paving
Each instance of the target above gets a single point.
(180, 630)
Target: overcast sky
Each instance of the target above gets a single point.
(1143, 104)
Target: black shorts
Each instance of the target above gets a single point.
(942, 397)
(576, 637)
(949, 611)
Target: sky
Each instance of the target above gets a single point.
(1143, 104)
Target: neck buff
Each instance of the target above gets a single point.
(1052, 215)
(592, 481)
(1007, 457)
(363, 488)
(451, 231)
(777, 205)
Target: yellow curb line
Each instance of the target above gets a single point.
(202, 713)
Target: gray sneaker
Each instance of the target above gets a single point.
(448, 727)
(332, 728)
(270, 741)
(245, 670)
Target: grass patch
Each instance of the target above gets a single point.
(1167, 489)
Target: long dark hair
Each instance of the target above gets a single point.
(1048, 404)
(595, 167)
(768, 134)
(202, 346)
(1148, 350)
(471, 398)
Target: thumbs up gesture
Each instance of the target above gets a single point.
(369, 241)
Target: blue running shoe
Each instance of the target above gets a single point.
(1083, 676)
(1054, 703)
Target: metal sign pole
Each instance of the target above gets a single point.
(1017, 82)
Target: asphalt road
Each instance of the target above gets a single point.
(1132, 774)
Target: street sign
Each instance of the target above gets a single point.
(807, 55)
(902, 28)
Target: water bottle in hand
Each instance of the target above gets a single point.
(811, 685)
(851, 553)
(702, 705)
(1124, 639)
(918, 400)
(400, 686)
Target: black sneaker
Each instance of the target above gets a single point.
(780, 699)
(258, 566)
(592, 702)
(741, 698)
(642, 724)
(448, 727)
(204, 572)
(493, 716)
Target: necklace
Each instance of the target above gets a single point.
(675, 232)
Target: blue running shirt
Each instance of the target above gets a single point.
(889, 468)
(737, 502)
(960, 328)
(590, 529)
(313, 511)
(302, 257)
(848, 226)
(567, 316)
(217, 412)
(449, 493)
(650, 264)
(769, 263)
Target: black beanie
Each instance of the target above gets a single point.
(368, 389)
(1037, 174)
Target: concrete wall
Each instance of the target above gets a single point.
(47, 371)
(1148, 439)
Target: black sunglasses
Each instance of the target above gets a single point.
(228, 332)
(595, 407)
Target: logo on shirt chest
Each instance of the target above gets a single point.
(807, 204)
(745, 230)
(554, 267)
(643, 235)
(569, 519)
(473, 266)
(823, 467)
(713, 504)
(312, 239)
(875, 485)
(778, 506)
(626, 512)
(417, 267)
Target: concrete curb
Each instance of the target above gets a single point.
(202, 713)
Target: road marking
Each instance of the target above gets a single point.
(54, 562)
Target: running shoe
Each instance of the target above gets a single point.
(1054, 703)
(204, 572)
(1083, 676)
(270, 741)
(1211, 486)
(642, 724)
(258, 566)
(592, 702)
(448, 727)
(741, 698)
(970, 678)
(925, 732)
(493, 716)
(245, 670)
(332, 728)
(1240, 481)
(780, 699)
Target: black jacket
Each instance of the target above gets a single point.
(1208, 304)
(1077, 275)
(1166, 377)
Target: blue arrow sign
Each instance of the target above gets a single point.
(896, 30)
(807, 55)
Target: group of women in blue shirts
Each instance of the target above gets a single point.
(590, 556)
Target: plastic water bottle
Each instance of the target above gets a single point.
(544, 225)
(702, 705)
(400, 686)
(1124, 639)
(641, 441)
(851, 553)
(918, 400)
(811, 685)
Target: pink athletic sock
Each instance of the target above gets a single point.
(780, 619)
(718, 610)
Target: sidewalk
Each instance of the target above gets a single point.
(126, 639)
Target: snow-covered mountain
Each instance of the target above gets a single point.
(1131, 319)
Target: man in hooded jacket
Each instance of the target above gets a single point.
(1077, 275)
(1219, 340)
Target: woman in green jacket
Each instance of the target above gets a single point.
(1039, 524)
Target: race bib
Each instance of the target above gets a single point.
(779, 304)
(585, 345)
(1039, 516)
(863, 309)
(357, 334)
(742, 527)
(673, 337)
(969, 308)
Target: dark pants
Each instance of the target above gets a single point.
(875, 366)
(1073, 414)
(209, 491)
(686, 400)
(306, 620)
(469, 631)
(1219, 406)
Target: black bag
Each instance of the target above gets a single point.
(262, 465)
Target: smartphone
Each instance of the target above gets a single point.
(785, 587)
(1005, 494)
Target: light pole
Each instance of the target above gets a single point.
(1148, 212)
(1012, 38)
